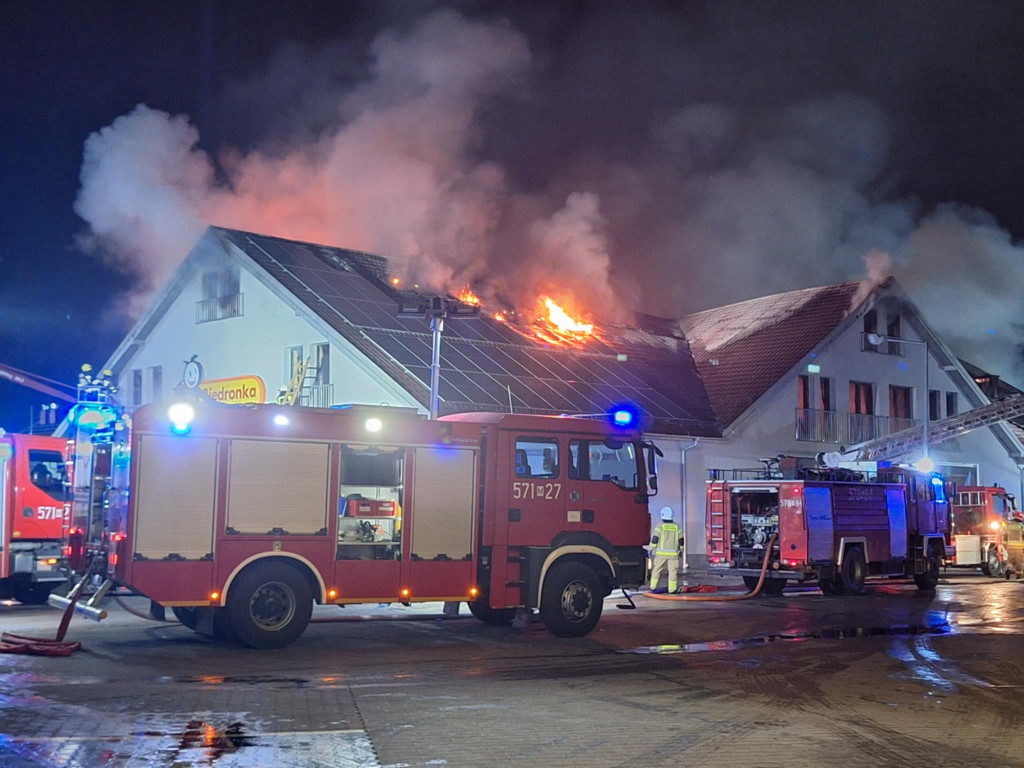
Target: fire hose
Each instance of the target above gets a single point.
(707, 598)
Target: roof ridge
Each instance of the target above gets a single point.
(845, 284)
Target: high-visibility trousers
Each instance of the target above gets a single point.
(666, 561)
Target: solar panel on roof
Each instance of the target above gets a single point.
(545, 377)
(474, 394)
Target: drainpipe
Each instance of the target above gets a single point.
(682, 481)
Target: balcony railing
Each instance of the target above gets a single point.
(317, 396)
(846, 428)
(219, 308)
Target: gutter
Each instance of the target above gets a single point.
(682, 481)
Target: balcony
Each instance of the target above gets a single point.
(816, 426)
(219, 308)
(885, 348)
(317, 396)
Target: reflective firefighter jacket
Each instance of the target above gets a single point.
(668, 539)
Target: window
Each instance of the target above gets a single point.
(862, 397)
(870, 327)
(322, 363)
(826, 402)
(156, 378)
(222, 284)
(292, 361)
(871, 321)
(934, 405)
(803, 393)
(46, 470)
(893, 330)
(611, 461)
(136, 386)
(536, 457)
(901, 405)
(951, 404)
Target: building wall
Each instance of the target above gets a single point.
(770, 428)
(254, 343)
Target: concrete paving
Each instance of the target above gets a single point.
(892, 678)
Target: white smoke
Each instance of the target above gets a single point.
(465, 160)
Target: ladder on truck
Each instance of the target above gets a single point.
(718, 521)
(908, 440)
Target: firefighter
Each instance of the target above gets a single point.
(666, 543)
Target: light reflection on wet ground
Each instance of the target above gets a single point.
(200, 744)
(150, 696)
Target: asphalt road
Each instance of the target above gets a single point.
(892, 678)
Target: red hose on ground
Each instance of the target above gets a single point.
(723, 598)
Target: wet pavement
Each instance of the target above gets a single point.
(893, 678)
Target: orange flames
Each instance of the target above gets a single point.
(466, 296)
(559, 326)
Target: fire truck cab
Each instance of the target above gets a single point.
(980, 517)
(832, 526)
(33, 495)
(239, 518)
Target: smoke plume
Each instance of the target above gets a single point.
(672, 173)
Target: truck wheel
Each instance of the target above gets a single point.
(269, 606)
(773, 587)
(852, 573)
(31, 593)
(498, 617)
(572, 600)
(995, 568)
(928, 580)
(187, 616)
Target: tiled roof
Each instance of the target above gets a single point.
(743, 349)
(486, 363)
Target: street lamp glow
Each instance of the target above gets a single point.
(924, 464)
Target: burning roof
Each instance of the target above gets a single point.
(549, 362)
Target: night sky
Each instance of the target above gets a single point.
(747, 147)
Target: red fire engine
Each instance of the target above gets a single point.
(980, 515)
(240, 518)
(32, 508)
(833, 526)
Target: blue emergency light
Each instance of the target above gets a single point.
(624, 416)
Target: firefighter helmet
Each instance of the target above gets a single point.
(666, 514)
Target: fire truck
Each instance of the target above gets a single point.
(832, 526)
(240, 518)
(980, 516)
(837, 525)
(33, 503)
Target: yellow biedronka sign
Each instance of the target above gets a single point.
(238, 389)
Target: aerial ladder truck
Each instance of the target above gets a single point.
(838, 524)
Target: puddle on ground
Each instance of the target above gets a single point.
(794, 636)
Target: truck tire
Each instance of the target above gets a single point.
(572, 600)
(994, 567)
(852, 572)
(187, 616)
(498, 617)
(928, 580)
(268, 606)
(31, 593)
